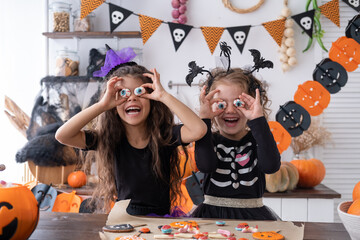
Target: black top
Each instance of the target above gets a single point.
(135, 178)
(236, 169)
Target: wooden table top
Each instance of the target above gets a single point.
(84, 226)
(319, 191)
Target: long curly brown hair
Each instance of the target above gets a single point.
(246, 80)
(111, 130)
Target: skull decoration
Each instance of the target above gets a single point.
(355, 3)
(117, 17)
(294, 118)
(239, 37)
(331, 75)
(178, 34)
(306, 22)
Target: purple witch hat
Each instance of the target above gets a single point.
(114, 59)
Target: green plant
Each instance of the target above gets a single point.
(318, 33)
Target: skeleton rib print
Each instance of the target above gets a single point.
(233, 161)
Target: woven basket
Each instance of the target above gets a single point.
(350, 221)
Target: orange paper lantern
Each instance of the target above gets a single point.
(313, 97)
(281, 136)
(346, 51)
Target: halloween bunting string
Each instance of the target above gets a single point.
(179, 30)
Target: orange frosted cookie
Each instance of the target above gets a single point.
(268, 235)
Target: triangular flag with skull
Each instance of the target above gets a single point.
(178, 33)
(331, 11)
(148, 26)
(306, 21)
(355, 4)
(212, 36)
(239, 35)
(117, 15)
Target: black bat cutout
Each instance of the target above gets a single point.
(194, 71)
(259, 62)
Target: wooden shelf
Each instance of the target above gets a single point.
(64, 35)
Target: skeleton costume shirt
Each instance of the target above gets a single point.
(236, 170)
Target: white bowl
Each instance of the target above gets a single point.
(350, 221)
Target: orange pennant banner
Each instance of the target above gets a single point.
(87, 6)
(212, 36)
(331, 11)
(148, 26)
(276, 29)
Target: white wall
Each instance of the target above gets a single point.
(22, 50)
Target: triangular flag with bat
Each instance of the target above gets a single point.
(276, 29)
(148, 26)
(331, 11)
(117, 15)
(212, 36)
(87, 6)
(178, 33)
(306, 21)
(239, 35)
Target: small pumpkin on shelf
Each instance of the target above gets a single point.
(77, 179)
(285, 179)
(311, 172)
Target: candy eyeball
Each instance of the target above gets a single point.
(139, 91)
(238, 103)
(125, 93)
(221, 105)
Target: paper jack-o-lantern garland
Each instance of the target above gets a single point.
(312, 97)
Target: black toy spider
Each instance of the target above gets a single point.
(226, 50)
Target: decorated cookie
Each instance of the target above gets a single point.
(118, 228)
(250, 229)
(225, 232)
(203, 235)
(144, 230)
(241, 226)
(130, 237)
(220, 223)
(268, 235)
(139, 91)
(166, 229)
(221, 105)
(125, 93)
(183, 223)
(164, 236)
(238, 103)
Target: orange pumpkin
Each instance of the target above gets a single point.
(19, 213)
(285, 179)
(311, 172)
(354, 208)
(356, 191)
(77, 179)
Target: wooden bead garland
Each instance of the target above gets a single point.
(179, 11)
(287, 51)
